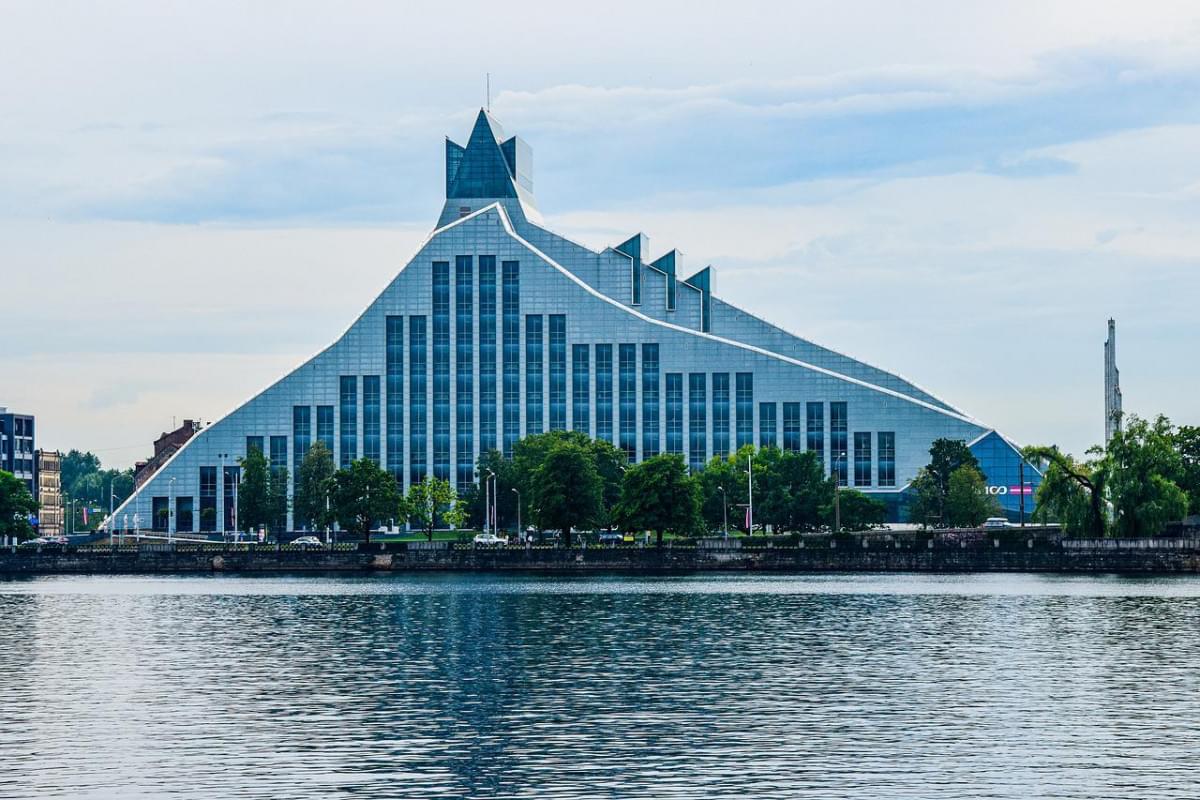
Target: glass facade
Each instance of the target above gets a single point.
(230, 478)
(887, 458)
(441, 369)
(301, 435)
(580, 399)
(604, 392)
(651, 412)
(487, 353)
(534, 350)
(208, 499)
(511, 332)
(324, 428)
(558, 372)
(675, 413)
(464, 371)
(767, 431)
(348, 419)
(791, 426)
(183, 515)
(279, 450)
(862, 459)
(697, 420)
(744, 408)
(816, 430)
(371, 419)
(394, 368)
(720, 413)
(417, 372)
(627, 398)
(839, 428)
(254, 443)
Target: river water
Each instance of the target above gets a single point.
(431, 686)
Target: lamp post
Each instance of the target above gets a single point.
(487, 499)
(837, 494)
(171, 513)
(520, 531)
(750, 494)
(724, 511)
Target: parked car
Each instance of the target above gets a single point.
(995, 522)
(308, 542)
(489, 539)
(45, 541)
(611, 537)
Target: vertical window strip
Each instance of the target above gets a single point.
(348, 419)
(627, 399)
(371, 418)
(791, 426)
(394, 368)
(838, 445)
(580, 394)
(324, 428)
(651, 411)
(744, 408)
(604, 392)
(418, 365)
(441, 369)
(558, 372)
(720, 413)
(511, 279)
(862, 459)
(675, 413)
(464, 371)
(697, 419)
(767, 431)
(301, 436)
(534, 350)
(487, 353)
(887, 458)
(816, 430)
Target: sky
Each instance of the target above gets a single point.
(195, 198)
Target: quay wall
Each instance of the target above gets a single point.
(846, 554)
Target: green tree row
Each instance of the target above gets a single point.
(1147, 476)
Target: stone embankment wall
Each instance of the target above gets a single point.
(1010, 551)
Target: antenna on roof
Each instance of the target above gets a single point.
(489, 92)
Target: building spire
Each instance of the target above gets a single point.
(1112, 385)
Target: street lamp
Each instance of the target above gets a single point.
(837, 493)
(724, 511)
(487, 499)
(520, 531)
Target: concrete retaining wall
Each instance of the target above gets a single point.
(865, 554)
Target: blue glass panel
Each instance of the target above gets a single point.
(512, 354)
(839, 427)
(887, 458)
(675, 413)
(558, 372)
(418, 367)
(651, 413)
(767, 430)
(534, 350)
(487, 353)
(441, 370)
(791, 426)
(604, 392)
(862, 459)
(348, 418)
(301, 436)
(745, 409)
(464, 371)
(394, 352)
(816, 429)
(627, 398)
(325, 427)
(580, 399)
(720, 415)
(697, 419)
(371, 415)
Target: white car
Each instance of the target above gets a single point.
(307, 542)
(995, 522)
(489, 539)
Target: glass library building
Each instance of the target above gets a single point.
(499, 328)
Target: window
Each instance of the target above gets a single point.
(418, 365)
(441, 369)
(650, 409)
(254, 443)
(558, 372)
(371, 415)
(324, 428)
(791, 426)
(160, 515)
(816, 430)
(183, 515)
(533, 374)
(279, 449)
(604, 393)
(838, 429)
(887, 458)
(697, 421)
(675, 413)
(862, 459)
(720, 413)
(301, 435)
(744, 398)
(627, 399)
(348, 419)
(512, 354)
(487, 353)
(464, 371)
(230, 481)
(395, 397)
(208, 498)
(580, 400)
(766, 425)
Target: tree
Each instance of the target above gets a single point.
(277, 499)
(429, 501)
(16, 505)
(1187, 443)
(659, 495)
(254, 491)
(363, 494)
(76, 465)
(967, 502)
(859, 512)
(505, 500)
(611, 463)
(931, 487)
(1071, 492)
(1144, 465)
(722, 488)
(791, 490)
(314, 482)
(567, 489)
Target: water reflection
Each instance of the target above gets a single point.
(888, 686)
